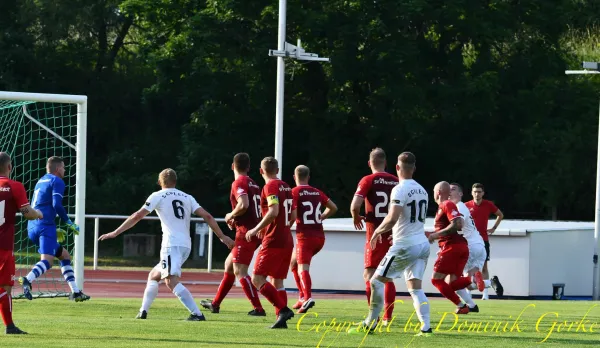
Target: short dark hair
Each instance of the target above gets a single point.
(377, 157)
(407, 158)
(241, 161)
(270, 165)
(478, 185)
(53, 163)
(302, 172)
(4, 161)
(457, 185)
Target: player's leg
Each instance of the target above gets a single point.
(150, 292)
(224, 287)
(414, 274)
(67, 271)
(485, 272)
(445, 265)
(294, 269)
(377, 257)
(242, 256)
(311, 248)
(7, 274)
(172, 259)
(464, 294)
(47, 249)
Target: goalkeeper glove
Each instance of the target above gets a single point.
(73, 227)
(61, 235)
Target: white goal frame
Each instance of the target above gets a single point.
(80, 166)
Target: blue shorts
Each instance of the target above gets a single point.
(44, 236)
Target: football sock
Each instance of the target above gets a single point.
(377, 295)
(283, 295)
(67, 272)
(224, 287)
(446, 290)
(390, 297)
(460, 283)
(149, 295)
(421, 305)
(186, 298)
(6, 307)
(39, 269)
(251, 292)
(270, 293)
(298, 283)
(306, 285)
(466, 296)
(368, 289)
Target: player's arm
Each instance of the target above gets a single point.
(455, 225)
(212, 223)
(58, 190)
(21, 199)
(30, 214)
(270, 216)
(388, 222)
(131, 221)
(357, 202)
(499, 217)
(330, 209)
(242, 205)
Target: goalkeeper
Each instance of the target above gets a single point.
(47, 197)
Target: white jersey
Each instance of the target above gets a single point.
(469, 231)
(409, 230)
(174, 208)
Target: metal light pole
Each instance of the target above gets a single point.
(593, 68)
(285, 50)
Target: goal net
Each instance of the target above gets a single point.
(32, 129)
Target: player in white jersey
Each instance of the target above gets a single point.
(174, 208)
(410, 249)
(477, 254)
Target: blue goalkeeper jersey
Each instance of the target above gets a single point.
(47, 197)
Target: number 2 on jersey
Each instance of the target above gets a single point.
(380, 205)
(317, 214)
(414, 215)
(2, 207)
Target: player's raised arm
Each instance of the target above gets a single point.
(127, 224)
(210, 220)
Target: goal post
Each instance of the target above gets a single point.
(33, 127)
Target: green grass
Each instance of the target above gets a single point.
(109, 323)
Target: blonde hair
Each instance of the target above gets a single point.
(167, 177)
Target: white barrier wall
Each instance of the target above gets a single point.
(527, 256)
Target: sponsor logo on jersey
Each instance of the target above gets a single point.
(305, 193)
(283, 188)
(4, 189)
(385, 182)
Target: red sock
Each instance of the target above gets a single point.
(307, 284)
(460, 283)
(271, 294)
(388, 300)
(224, 287)
(283, 295)
(446, 290)
(251, 292)
(368, 285)
(298, 283)
(6, 307)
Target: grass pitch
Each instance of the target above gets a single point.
(110, 323)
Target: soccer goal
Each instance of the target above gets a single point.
(34, 127)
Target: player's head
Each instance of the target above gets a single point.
(5, 164)
(377, 159)
(456, 192)
(441, 191)
(56, 166)
(477, 192)
(241, 163)
(269, 168)
(301, 175)
(167, 178)
(407, 163)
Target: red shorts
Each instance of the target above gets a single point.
(273, 262)
(452, 259)
(373, 257)
(308, 247)
(243, 251)
(7, 268)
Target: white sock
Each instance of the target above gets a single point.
(186, 298)
(377, 295)
(69, 275)
(149, 295)
(488, 283)
(39, 269)
(466, 296)
(421, 305)
(485, 292)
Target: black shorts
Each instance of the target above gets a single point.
(487, 250)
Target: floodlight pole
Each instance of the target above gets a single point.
(285, 50)
(596, 276)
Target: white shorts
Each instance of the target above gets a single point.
(411, 261)
(477, 257)
(171, 261)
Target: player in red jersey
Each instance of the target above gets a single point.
(375, 189)
(309, 233)
(277, 245)
(481, 209)
(454, 249)
(245, 202)
(12, 199)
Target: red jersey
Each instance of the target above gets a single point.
(446, 213)
(244, 185)
(309, 201)
(277, 233)
(12, 198)
(376, 189)
(481, 214)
